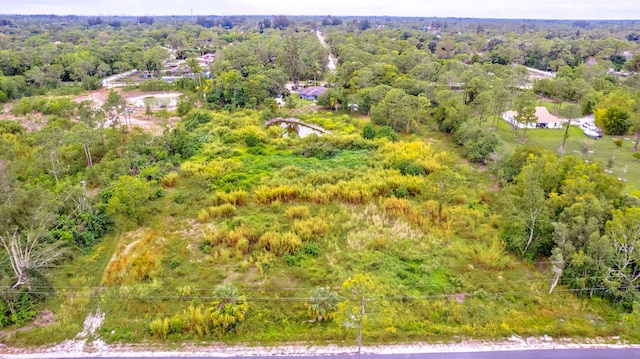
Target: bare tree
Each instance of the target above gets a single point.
(528, 201)
(115, 106)
(624, 232)
(27, 249)
(558, 263)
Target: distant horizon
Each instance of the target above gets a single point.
(595, 10)
(319, 16)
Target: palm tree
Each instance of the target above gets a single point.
(229, 307)
(322, 303)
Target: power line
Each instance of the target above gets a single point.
(304, 299)
(284, 289)
(258, 288)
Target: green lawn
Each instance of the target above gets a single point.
(624, 165)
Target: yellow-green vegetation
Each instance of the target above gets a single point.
(408, 216)
(281, 232)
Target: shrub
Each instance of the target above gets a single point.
(251, 139)
(237, 235)
(282, 193)
(618, 143)
(318, 197)
(398, 207)
(159, 328)
(309, 228)
(280, 244)
(196, 320)
(213, 239)
(411, 169)
(230, 307)
(243, 246)
(432, 209)
(613, 120)
(225, 210)
(319, 149)
(297, 212)
(176, 324)
(229, 139)
(369, 132)
(185, 104)
(16, 305)
(196, 118)
(170, 180)
(203, 215)
(407, 156)
(323, 303)
(13, 127)
(477, 144)
(387, 132)
(129, 200)
(256, 151)
(293, 259)
(312, 249)
(236, 198)
(175, 263)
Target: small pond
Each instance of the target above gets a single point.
(303, 131)
(155, 101)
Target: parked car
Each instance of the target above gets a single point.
(591, 130)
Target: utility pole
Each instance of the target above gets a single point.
(361, 325)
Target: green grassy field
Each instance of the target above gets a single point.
(603, 150)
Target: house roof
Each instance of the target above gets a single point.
(511, 114)
(542, 114)
(312, 91)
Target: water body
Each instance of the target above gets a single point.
(156, 101)
(302, 130)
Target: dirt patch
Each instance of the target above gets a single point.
(99, 97)
(42, 320)
(92, 322)
(151, 124)
(138, 117)
(96, 97)
(459, 297)
(31, 122)
(45, 318)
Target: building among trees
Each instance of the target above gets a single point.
(311, 93)
(544, 119)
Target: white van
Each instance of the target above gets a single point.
(591, 130)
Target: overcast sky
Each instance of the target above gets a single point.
(529, 9)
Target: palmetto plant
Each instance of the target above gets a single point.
(229, 308)
(323, 303)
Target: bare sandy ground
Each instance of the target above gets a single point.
(86, 344)
(81, 347)
(148, 123)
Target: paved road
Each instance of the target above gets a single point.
(605, 353)
(107, 82)
(333, 61)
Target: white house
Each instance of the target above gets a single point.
(545, 119)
